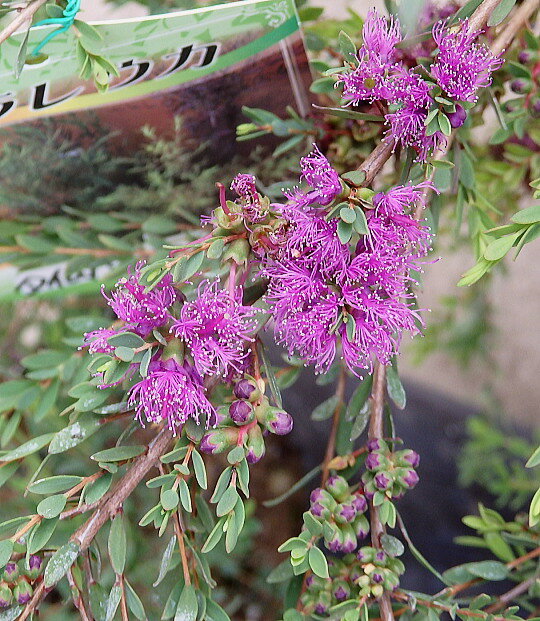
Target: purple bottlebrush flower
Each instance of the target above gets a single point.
(97, 342)
(170, 393)
(305, 311)
(369, 81)
(462, 65)
(216, 327)
(380, 36)
(392, 207)
(318, 173)
(142, 310)
(408, 127)
(312, 241)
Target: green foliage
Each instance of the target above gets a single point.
(495, 459)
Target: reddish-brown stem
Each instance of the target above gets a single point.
(182, 547)
(331, 445)
(123, 601)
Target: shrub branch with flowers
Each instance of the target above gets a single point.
(330, 272)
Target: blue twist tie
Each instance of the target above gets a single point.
(65, 22)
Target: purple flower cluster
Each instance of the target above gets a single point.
(171, 393)
(462, 67)
(323, 179)
(216, 327)
(321, 293)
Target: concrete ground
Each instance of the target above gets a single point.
(516, 298)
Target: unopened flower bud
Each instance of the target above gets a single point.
(361, 526)
(255, 445)
(333, 540)
(35, 563)
(322, 606)
(526, 56)
(344, 513)
(247, 389)
(341, 590)
(338, 487)
(11, 573)
(458, 117)
(410, 457)
(366, 554)
(349, 539)
(382, 481)
(380, 558)
(22, 592)
(374, 445)
(377, 590)
(241, 412)
(359, 502)
(377, 578)
(5, 595)
(391, 581)
(521, 86)
(534, 107)
(374, 461)
(219, 440)
(410, 479)
(278, 421)
(222, 418)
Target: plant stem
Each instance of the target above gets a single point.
(24, 16)
(331, 446)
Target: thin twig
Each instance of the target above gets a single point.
(513, 25)
(182, 547)
(504, 600)
(24, 16)
(376, 432)
(331, 446)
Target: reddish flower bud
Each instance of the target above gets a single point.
(278, 421)
(247, 389)
(5, 595)
(11, 573)
(338, 487)
(344, 513)
(255, 445)
(219, 440)
(22, 593)
(241, 412)
(410, 479)
(382, 481)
